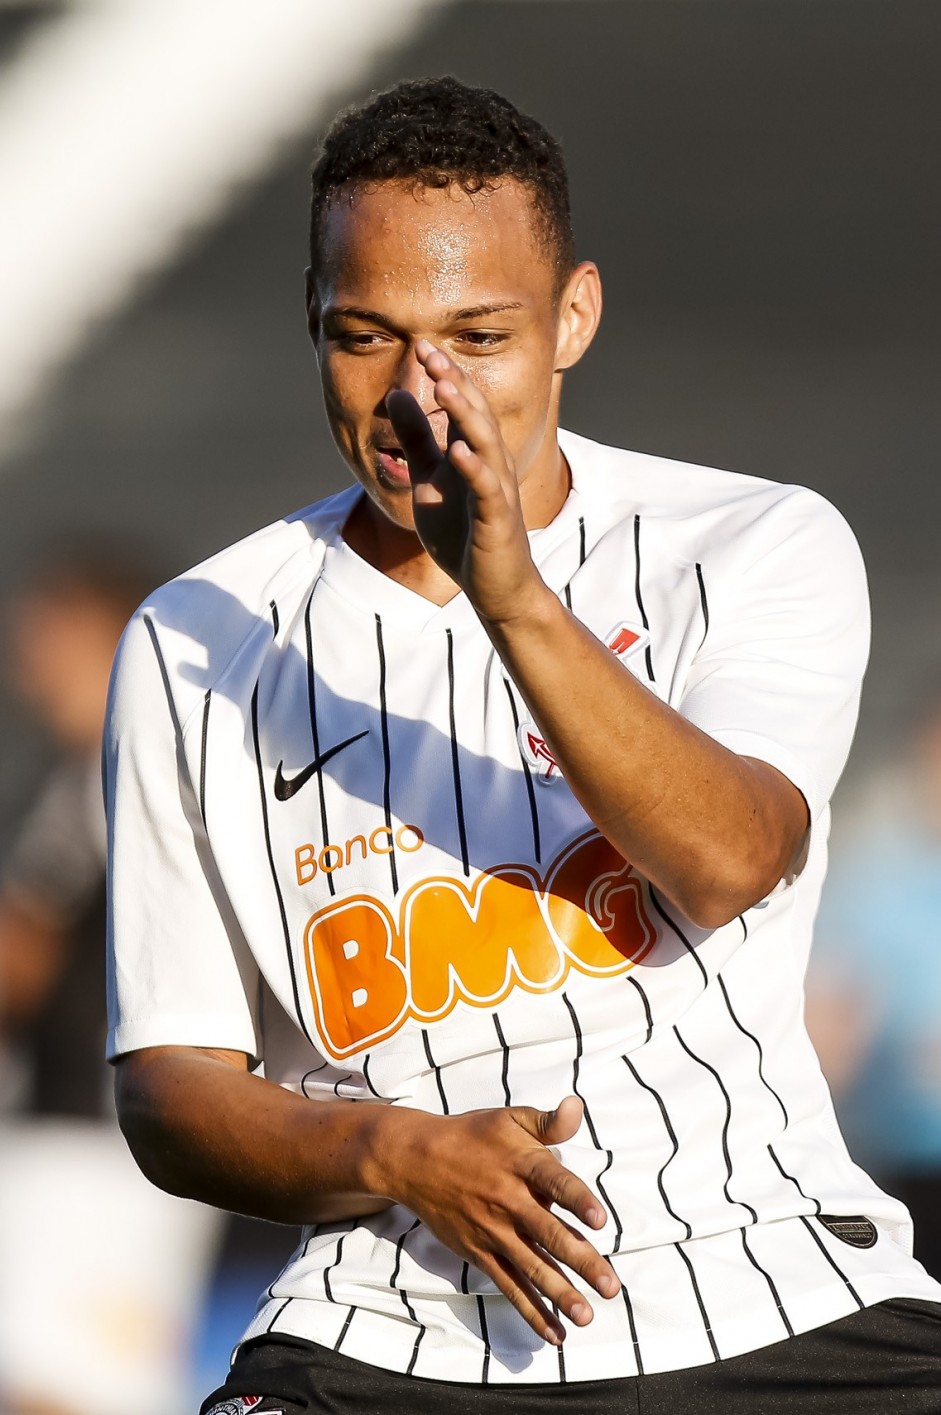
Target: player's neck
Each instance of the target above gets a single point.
(396, 550)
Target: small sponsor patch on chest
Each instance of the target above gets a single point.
(857, 1231)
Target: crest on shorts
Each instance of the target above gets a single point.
(239, 1404)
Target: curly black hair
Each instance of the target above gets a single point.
(435, 132)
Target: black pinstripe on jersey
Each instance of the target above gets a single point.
(661, 1184)
(767, 1277)
(832, 1261)
(505, 1073)
(456, 760)
(314, 728)
(393, 1283)
(344, 1329)
(263, 798)
(567, 589)
(699, 1302)
(751, 1036)
(386, 753)
(609, 1157)
(704, 602)
(648, 655)
(203, 744)
(690, 949)
(648, 1015)
(527, 773)
(437, 1072)
(367, 1078)
(700, 1061)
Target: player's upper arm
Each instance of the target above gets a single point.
(179, 970)
(779, 672)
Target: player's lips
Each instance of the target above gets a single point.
(393, 463)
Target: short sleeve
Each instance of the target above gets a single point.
(179, 969)
(779, 672)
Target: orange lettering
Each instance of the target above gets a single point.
(373, 839)
(324, 858)
(595, 907)
(305, 863)
(358, 987)
(472, 942)
(476, 943)
(400, 842)
(355, 840)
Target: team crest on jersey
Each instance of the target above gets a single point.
(623, 640)
(537, 753)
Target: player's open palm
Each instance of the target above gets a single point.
(485, 1183)
(465, 498)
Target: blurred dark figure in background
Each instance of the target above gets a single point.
(113, 1308)
(874, 988)
(62, 634)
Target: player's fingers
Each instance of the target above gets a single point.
(480, 477)
(558, 1185)
(415, 434)
(547, 1176)
(474, 425)
(523, 1296)
(544, 1280)
(439, 366)
(565, 1244)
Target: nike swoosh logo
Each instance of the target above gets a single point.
(285, 788)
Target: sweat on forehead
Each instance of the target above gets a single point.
(443, 231)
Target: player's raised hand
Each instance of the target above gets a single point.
(485, 1184)
(466, 498)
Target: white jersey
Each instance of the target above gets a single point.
(340, 845)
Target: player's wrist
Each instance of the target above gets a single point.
(387, 1147)
(529, 609)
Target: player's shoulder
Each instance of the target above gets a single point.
(197, 622)
(692, 504)
(254, 569)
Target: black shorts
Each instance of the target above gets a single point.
(883, 1359)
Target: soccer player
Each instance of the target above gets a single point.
(484, 807)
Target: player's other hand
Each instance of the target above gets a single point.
(485, 1183)
(465, 498)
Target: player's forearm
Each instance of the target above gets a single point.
(713, 831)
(206, 1129)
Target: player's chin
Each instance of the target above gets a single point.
(394, 501)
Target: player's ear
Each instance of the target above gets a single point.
(579, 314)
(312, 305)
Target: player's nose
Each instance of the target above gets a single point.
(411, 376)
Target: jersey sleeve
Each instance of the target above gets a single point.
(779, 672)
(179, 969)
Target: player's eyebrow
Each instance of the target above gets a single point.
(451, 317)
(355, 312)
(478, 311)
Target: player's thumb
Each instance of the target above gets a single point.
(552, 1127)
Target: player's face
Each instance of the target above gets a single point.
(468, 273)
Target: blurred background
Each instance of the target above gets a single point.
(757, 180)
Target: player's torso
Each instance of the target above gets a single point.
(393, 832)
